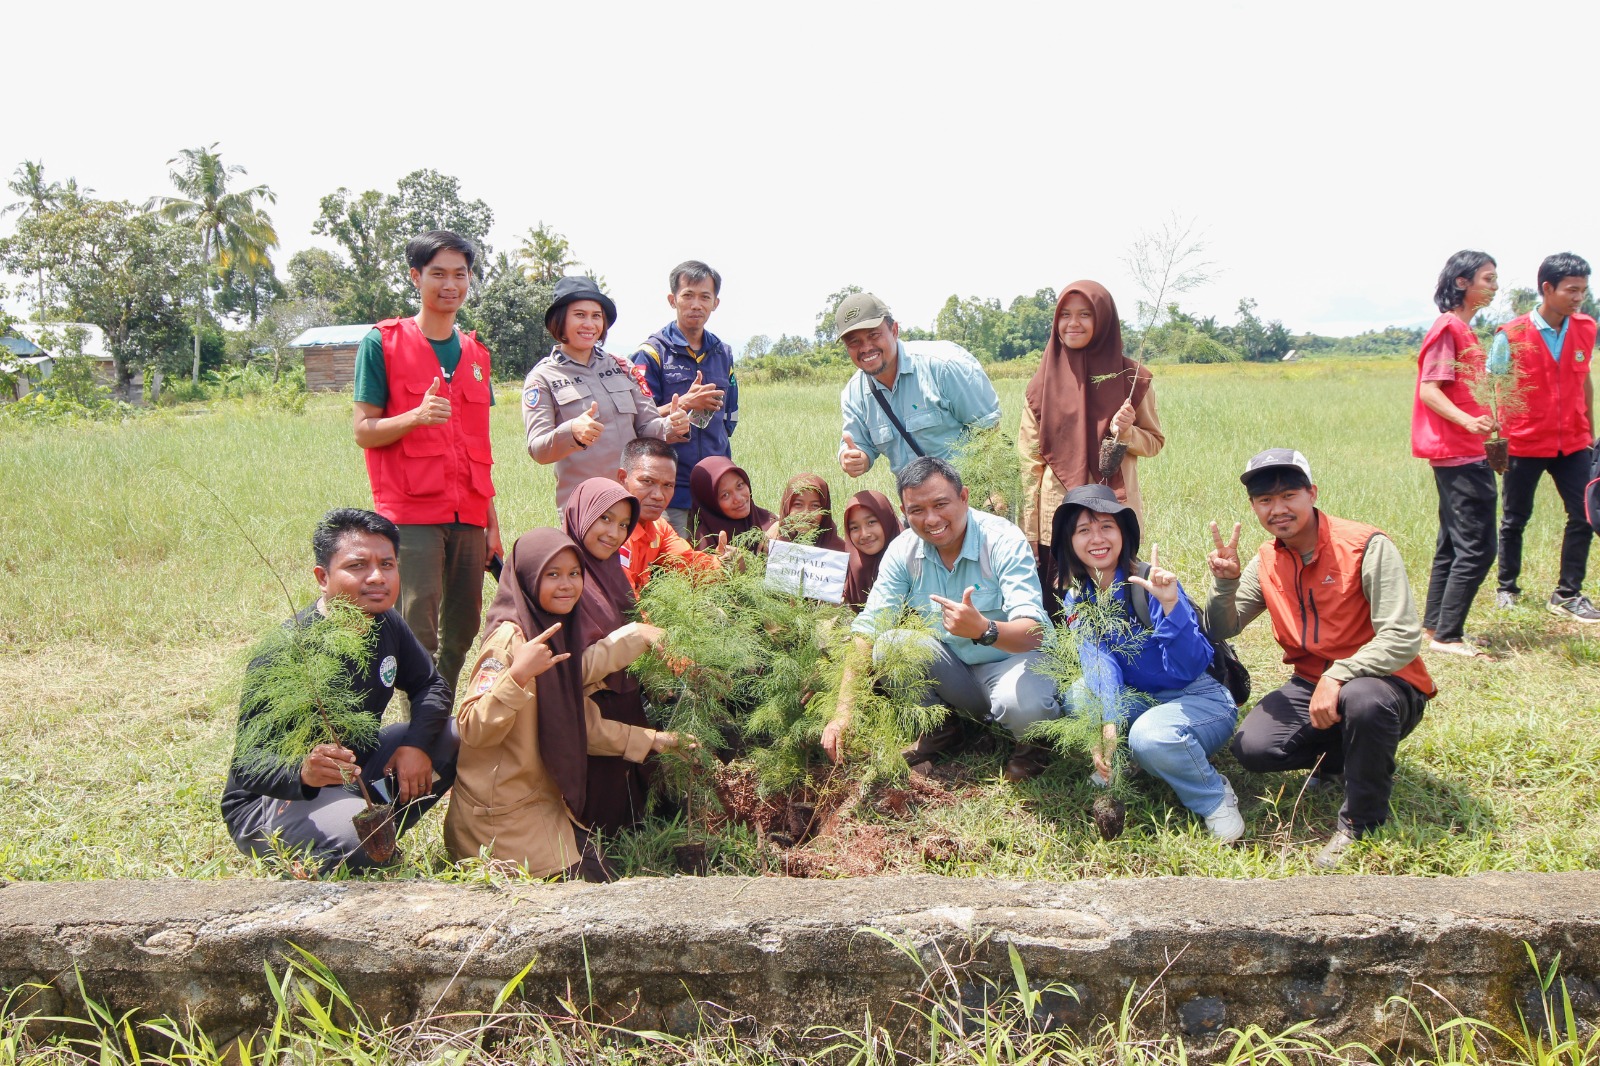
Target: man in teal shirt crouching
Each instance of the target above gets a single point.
(975, 577)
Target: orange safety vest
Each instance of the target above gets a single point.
(1320, 612)
(434, 474)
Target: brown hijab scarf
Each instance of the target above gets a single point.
(607, 594)
(864, 568)
(1075, 394)
(800, 526)
(706, 519)
(563, 736)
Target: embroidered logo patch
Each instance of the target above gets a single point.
(477, 372)
(487, 673)
(1582, 356)
(530, 397)
(386, 671)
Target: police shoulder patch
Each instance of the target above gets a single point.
(530, 396)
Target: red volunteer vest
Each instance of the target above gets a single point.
(1555, 419)
(434, 474)
(1436, 437)
(1320, 612)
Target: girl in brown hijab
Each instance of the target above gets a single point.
(526, 728)
(870, 524)
(600, 516)
(806, 514)
(1079, 395)
(721, 503)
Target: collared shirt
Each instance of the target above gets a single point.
(935, 397)
(1500, 350)
(995, 562)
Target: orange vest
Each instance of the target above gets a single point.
(1320, 612)
(434, 474)
(653, 542)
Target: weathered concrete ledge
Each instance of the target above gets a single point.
(792, 952)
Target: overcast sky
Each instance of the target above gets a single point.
(1335, 154)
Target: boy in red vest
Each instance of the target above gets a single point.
(1552, 346)
(422, 399)
(1341, 608)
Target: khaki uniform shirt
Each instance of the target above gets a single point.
(503, 797)
(1042, 491)
(559, 389)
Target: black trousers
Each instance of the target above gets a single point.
(1375, 714)
(1570, 473)
(1465, 547)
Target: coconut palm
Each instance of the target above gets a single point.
(545, 255)
(233, 229)
(38, 197)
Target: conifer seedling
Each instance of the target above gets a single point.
(1499, 389)
(986, 459)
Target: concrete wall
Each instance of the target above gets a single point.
(793, 952)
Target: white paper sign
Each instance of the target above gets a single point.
(816, 573)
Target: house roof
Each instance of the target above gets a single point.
(330, 336)
(94, 338)
(19, 346)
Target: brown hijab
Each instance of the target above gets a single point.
(1075, 394)
(864, 568)
(706, 519)
(827, 533)
(563, 735)
(607, 594)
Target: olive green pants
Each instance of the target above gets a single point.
(441, 590)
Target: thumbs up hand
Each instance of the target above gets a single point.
(703, 395)
(587, 427)
(962, 619)
(852, 460)
(677, 421)
(434, 409)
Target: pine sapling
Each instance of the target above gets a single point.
(987, 462)
(1499, 388)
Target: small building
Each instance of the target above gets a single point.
(91, 341)
(330, 355)
(29, 362)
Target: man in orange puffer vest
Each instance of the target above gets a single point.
(1342, 611)
(422, 399)
(1552, 347)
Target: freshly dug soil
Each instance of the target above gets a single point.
(1111, 452)
(1498, 451)
(377, 829)
(691, 859)
(1110, 816)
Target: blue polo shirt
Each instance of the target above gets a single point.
(995, 562)
(1500, 350)
(935, 397)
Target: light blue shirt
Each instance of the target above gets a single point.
(1500, 350)
(995, 562)
(935, 397)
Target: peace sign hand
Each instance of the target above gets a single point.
(962, 619)
(1162, 585)
(534, 657)
(1224, 558)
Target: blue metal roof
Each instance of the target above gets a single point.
(20, 346)
(327, 336)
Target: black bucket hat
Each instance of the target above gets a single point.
(1091, 498)
(571, 289)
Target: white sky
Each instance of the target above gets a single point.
(1335, 154)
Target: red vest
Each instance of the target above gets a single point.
(1432, 435)
(1555, 419)
(434, 474)
(1320, 612)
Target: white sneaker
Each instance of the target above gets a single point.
(1225, 823)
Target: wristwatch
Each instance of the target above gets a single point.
(990, 635)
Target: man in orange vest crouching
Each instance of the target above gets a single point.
(1342, 610)
(422, 399)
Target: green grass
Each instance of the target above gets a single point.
(127, 598)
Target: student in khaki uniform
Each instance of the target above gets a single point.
(527, 726)
(580, 404)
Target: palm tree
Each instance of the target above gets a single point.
(38, 197)
(545, 255)
(232, 228)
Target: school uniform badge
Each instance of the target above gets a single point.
(477, 372)
(387, 670)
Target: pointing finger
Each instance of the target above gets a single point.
(563, 657)
(547, 634)
(942, 602)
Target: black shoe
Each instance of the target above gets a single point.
(1027, 762)
(1573, 608)
(931, 745)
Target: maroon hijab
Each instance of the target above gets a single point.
(827, 532)
(864, 568)
(1075, 394)
(706, 519)
(563, 736)
(608, 597)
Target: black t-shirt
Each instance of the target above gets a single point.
(398, 661)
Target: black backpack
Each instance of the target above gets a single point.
(1591, 494)
(1225, 665)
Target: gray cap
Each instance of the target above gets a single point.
(860, 310)
(1276, 459)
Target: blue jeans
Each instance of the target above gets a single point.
(1174, 736)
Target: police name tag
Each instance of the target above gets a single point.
(815, 573)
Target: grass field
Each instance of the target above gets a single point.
(128, 598)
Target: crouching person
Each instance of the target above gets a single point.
(1342, 610)
(976, 577)
(1145, 667)
(308, 808)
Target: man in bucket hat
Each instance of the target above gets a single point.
(1342, 610)
(900, 404)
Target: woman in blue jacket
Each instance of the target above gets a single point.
(1151, 675)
